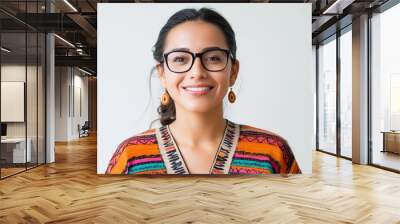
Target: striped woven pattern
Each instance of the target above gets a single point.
(138, 155)
(262, 152)
(257, 152)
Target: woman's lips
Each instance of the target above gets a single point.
(198, 90)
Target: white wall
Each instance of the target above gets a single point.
(314, 74)
(61, 103)
(275, 87)
(67, 117)
(12, 101)
(17, 73)
(33, 127)
(80, 84)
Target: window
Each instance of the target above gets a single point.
(346, 94)
(385, 88)
(327, 96)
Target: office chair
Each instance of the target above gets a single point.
(84, 130)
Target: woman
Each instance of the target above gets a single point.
(196, 55)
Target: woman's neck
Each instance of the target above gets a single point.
(195, 129)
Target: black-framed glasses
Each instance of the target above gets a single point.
(213, 60)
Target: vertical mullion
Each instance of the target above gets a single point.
(26, 86)
(37, 89)
(60, 89)
(45, 87)
(338, 98)
(73, 92)
(69, 91)
(369, 90)
(317, 96)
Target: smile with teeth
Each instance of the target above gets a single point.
(198, 90)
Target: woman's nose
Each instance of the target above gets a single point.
(197, 69)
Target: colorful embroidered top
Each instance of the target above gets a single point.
(243, 150)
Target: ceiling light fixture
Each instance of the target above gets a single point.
(337, 7)
(84, 71)
(5, 50)
(64, 40)
(331, 7)
(70, 5)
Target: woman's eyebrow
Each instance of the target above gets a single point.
(210, 48)
(180, 49)
(202, 50)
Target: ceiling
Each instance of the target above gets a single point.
(76, 22)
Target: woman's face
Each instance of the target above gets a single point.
(197, 90)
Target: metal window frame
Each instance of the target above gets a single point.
(334, 37)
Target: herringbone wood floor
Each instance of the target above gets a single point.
(69, 191)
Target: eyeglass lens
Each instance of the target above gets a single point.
(181, 61)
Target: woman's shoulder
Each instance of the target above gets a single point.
(138, 146)
(259, 141)
(143, 138)
(254, 134)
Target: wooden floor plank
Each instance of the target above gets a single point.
(70, 191)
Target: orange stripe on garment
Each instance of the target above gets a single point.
(251, 147)
(133, 151)
(295, 168)
(272, 150)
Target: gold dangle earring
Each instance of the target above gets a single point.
(231, 96)
(165, 98)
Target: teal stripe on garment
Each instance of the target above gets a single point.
(146, 167)
(252, 163)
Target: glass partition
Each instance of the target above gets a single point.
(22, 77)
(13, 110)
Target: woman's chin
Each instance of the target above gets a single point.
(198, 108)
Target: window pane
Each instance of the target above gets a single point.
(327, 97)
(346, 94)
(386, 88)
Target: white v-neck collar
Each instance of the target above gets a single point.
(175, 163)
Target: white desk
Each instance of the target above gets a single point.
(19, 149)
